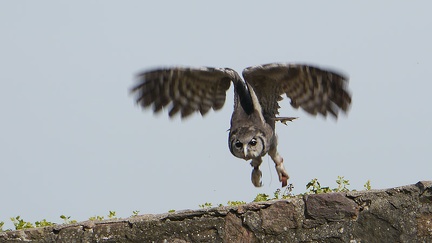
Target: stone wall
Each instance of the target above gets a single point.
(402, 214)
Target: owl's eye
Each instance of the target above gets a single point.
(253, 142)
(238, 144)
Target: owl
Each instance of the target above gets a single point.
(256, 101)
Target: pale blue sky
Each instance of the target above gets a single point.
(73, 142)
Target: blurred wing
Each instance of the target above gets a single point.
(186, 89)
(313, 89)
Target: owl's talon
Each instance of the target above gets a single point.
(283, 175)
(284, 181)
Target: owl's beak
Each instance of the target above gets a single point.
(245, 151)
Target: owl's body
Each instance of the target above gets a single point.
(252, 132)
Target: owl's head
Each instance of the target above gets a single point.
(247, 143)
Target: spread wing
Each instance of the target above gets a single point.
(313, 89)
(186, 90)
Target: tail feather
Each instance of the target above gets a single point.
(284, 120)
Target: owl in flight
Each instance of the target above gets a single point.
(252, 132)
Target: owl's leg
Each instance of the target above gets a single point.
(256, 172)
(280, 169)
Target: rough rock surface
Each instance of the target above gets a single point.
(402, 214)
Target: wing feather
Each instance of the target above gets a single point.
(315, 90)
(186, 90)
